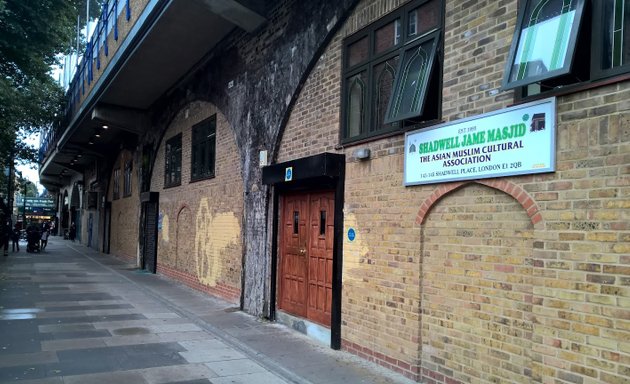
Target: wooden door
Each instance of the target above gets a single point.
(306, 255)
(320, 257)
(293, 260)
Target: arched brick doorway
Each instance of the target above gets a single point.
(476, 286)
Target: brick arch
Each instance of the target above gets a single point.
(181, 209)
(171, 114)
(517, 192)
(183, 248)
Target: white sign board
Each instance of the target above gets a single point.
(513, 141)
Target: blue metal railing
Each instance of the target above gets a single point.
(84, 76)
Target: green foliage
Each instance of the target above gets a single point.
(32, 33)
(26, 187)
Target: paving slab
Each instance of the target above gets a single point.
(234, 367)
(28, 358)
(73, 315)
(129, 377)
(178, 373)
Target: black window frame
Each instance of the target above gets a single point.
(598, 35)
(432, 39)
(371, 129)
(564, 70)
(116, 184)
(173, 161)
(203, 152)
(584, 72)
(127, 178)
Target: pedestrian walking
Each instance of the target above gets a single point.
(15, 239)
(4, 239)
(5, 227)
(73, 231)
(44, 239)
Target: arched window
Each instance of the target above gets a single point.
(544, 44)
(550, 35)
(384, 86)
(412, 82)
(375, 59)
(356, 104)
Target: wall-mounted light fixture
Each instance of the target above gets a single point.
(362, 153)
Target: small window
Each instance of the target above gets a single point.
(427, 18)
(127, 178)
(357, 93)
(564, 42)
(173, 162)
(322, 223)
(358, 52)
(412, 82)
(544, 41)
(116, 184)
(296, 222)
(387, 36)
(394, 58)
(203, 149)
(613, 52)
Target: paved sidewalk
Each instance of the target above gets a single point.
(72, 315)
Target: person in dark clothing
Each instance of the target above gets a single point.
(73, 231)
(15, 239)
(5, 235)
(33, 235)
(5, 227)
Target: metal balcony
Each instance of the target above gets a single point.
(140, 49)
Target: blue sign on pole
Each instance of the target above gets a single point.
(351, 234)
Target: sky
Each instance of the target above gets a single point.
(31, 171)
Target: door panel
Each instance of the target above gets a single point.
(306, 255)
(320, 252)
(293, 258)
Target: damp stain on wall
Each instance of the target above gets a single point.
(214, 233)
(165, 228)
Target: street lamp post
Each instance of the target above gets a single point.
(24, 203)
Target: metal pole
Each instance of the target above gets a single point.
(76, 62)
(10, 186)
(24, 208)
(87, 22)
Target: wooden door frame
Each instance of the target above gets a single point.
(281, 233)
(306, 195)
(320, 172)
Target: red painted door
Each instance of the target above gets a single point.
(306, 255)
(320, 257)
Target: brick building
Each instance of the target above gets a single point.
(438, 186)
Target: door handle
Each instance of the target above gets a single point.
(302, 252)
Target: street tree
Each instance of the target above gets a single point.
(32, 34)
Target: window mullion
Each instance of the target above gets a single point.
(382, 53)
(368, 124)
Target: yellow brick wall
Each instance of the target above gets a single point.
(477, 287)
(200, 239)
(125, 213)
(409, 298)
